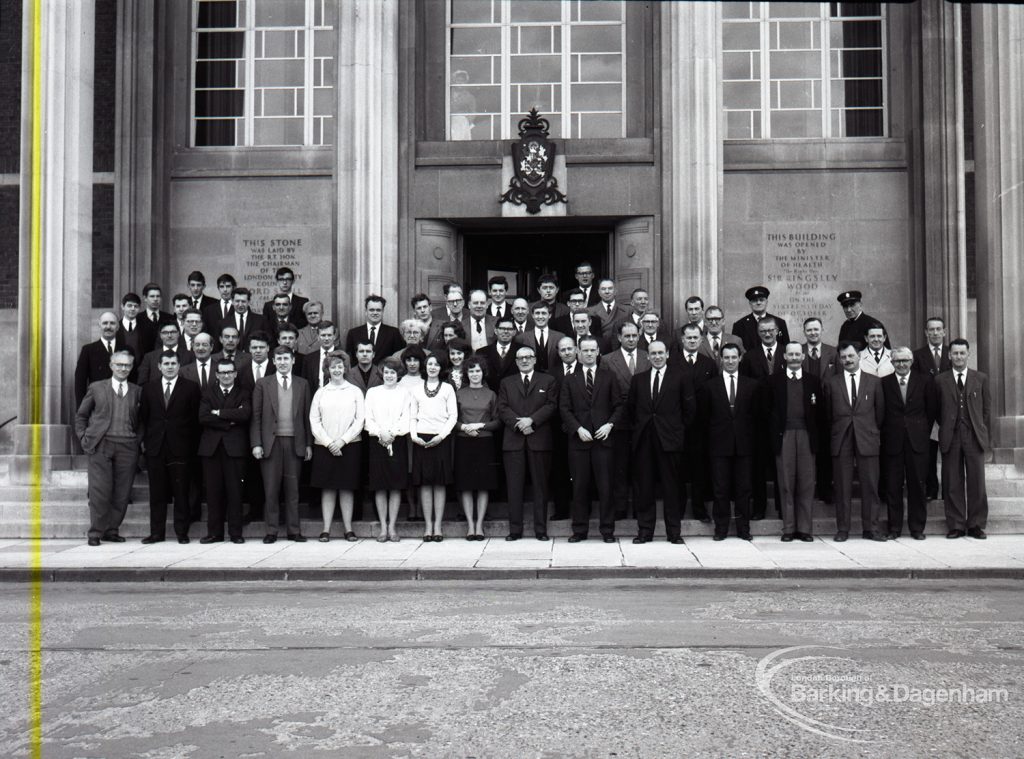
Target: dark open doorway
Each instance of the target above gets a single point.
(523, 257)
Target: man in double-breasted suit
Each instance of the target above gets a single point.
(108, 426)
(170, 418)
(500, 355)
(281, 440)
(94, 359)
(856, 409)
(224, 413)
(661, 405)
(933, 359)
(624, 362)
(965, 417)
(911, 407)
(727, 416)
(527, 403)
(592, 406)
(793, 402)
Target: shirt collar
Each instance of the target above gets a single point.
(281, 378)
(114, 383)
(799, 373)
(227, 391)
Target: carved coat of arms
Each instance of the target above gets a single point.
(533, 161)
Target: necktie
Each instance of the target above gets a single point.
(938, 357)
(690, 359)
(543, 342)
(814, 353)
(259, 371)
(770, 359)
(110, 349)
(479, 326)
(960, 382)
(241, 324)
(608, 308)
(903, 388)
(501, 351)
(732, 389)
(632, 362)
(286, 383)
(131, 326)
(878, 357)
(203, 378)
(792, 375)
(224, 307)
(373, 335)
(716, 345)
(167, 393)
(526, 383)
(656, 390)
(120, 390)
(853, 389)
(153, 317)
(590, 384)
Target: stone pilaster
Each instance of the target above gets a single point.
(64, 221)
(998, 49)
(692, 147)
(366, 174)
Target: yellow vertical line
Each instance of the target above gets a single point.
(35, 385)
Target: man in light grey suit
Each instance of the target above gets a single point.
(624, 362)
(855, 405)
(280, 437)
(108, 427)
(716, 336)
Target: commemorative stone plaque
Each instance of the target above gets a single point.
(802, 269)
(262, 251)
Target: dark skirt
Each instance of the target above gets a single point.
(389, 472)
(344, 472)
(476, 463)
(432, 466)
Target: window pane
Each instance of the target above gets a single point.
(221, 45)
(601, 10)
(794, 10)
(736, 66)
(796, 124)
(279, 103)
(796, 35)
(860, 63)
(741, 94)
(278, 132)
(857, 9)
(536, 10)
(466, 70)
(476, 99)
(737, 125)
(597, 39)
(217, 14)
(323, 101)
(280, 12)
(596, 97)
(855, 34)
(471, 11)
(539, 96)
(215, 73)
(864, 93)
(211, 133)
(739, 10)
(599, 68)
(468, 41)
(796, 94)
(795, 65)
(534, 39)
(741, 36)
(219, 102)
(600, 124)
(536, 68)
(279, 73)
(859, 123)
(279, 44)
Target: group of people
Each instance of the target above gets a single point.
(583, 397)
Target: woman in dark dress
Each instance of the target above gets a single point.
(475, 457)
(433, 413)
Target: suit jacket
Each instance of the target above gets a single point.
(191, 373)
(605, 405)
(746, 330)
(645, 343)
(468, 323)
(674, 409)
(976, 401)
(729, 431)
(618, 366)
(172, 430)
(92, 420)
(505, 312)
(264, 415)
(310, 368)
(864, 421)
(856, 330)
(557, 309)
(540, 403)
(295, 314)
(94, 365)
(724, 339)
(550, 360)
(610, 322)
(355, 376)
(909, 422)
(205, 302)
(703, 368)
(924, 361)
(593, 296)
(775, 405)
(827, 363)
(140, 341)
(213, 320)
(754, 363)
(497, 368)
(247, 379)
(241, 358)
(564, 325)
(389, 340)
(253, 323)
(149, 367)
(230, 427)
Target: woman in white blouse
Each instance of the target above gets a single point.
(336, 417)
(433, 413)
(387, 423)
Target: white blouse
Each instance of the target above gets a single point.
(337, 411)
(436, 415)
(387, 410)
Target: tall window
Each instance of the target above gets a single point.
(802, 70)
(567, 59)
(263, 72)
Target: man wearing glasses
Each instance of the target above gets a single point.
(500, 355)
(285, 281)
(527, 401)
(716, 336)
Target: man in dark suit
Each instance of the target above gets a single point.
(193, 325)
(244, 320)
(285, 281)
(220, 312)
(577, 303)
(747, 327)
(855, 407)
(152, 300)
(715, 335)
(561, 483)
(653, 331)
(911, 407)
(727, 416)
(760, 362)
(542, 338)
(639, 305)
(584, 276)
(582, 326)
(279, 311)
(137, 334)
(385, 338)
(794, 406)
(94, 359)
(170, 419)
(259, 364)
(364, 374)
(197, 299)
(855, 328)
(477, 323)
(661, 406)
(225, 409)
(170, 339)
(610, 310)
(500, 356)
(107, 425)
(527, 401)
(547, 288)
(624, 363)
(822, 361)
(314, 365)
(229, 347)
(497, 306)
(281, 440)
(591, 406)
(203, 370)
(965, 417)
(933, 359)
(700, 369)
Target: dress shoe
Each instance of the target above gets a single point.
(744, 536)
(183, 540)
(112, 537)
(510, 538)
(351, 537)
(917, 535)
(608, 539)
(841, 537)
(866, 534)
(787, 538)
(151, 539)
(94, 541)
(954, 534)
(268, 539)
(638, 540)
(892, 536)
(211, 539)
(977, 533)
(542, 536)
(479, 536)
(676, 541)
(297, 538)
(876, 536)
(718, 536)
(577, 538)
(804, 537)
(238, 541)
(439, 538)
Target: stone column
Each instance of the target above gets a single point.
(692, 151)
(366, 173)
(48, 298)
(998, 50)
